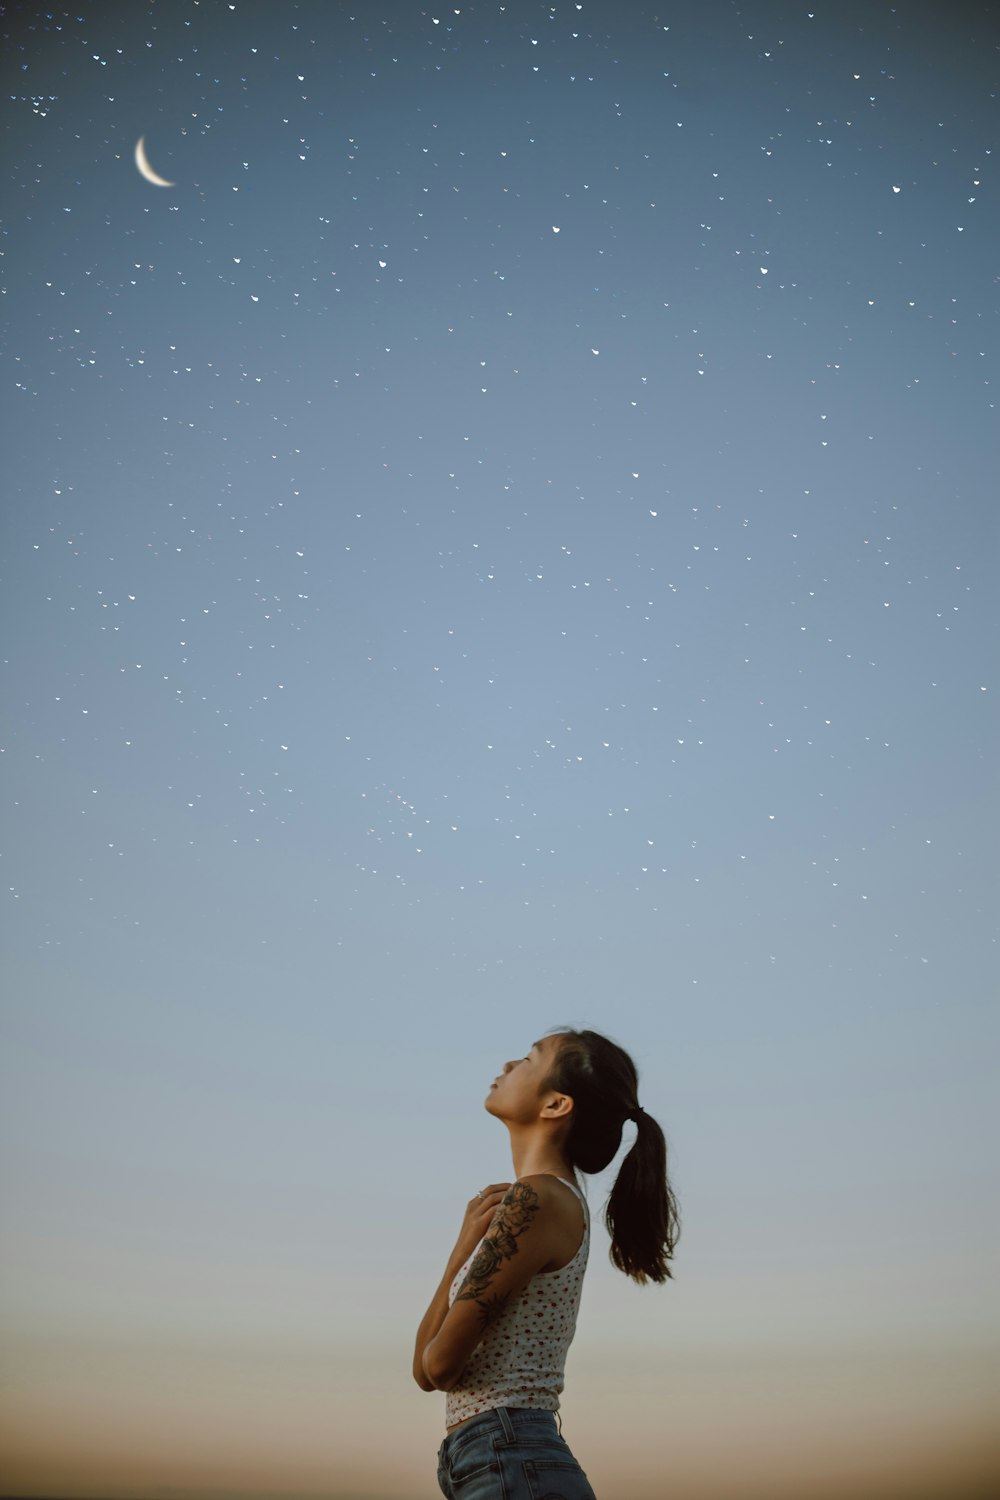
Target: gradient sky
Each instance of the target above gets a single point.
(507, 540)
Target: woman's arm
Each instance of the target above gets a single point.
(518, 1243)
(433, 1318)
(478, 1215)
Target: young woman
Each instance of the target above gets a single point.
(496, 1333)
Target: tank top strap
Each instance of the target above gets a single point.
(573, 1187)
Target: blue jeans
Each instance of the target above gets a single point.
(510, 1453)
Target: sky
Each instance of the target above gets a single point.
(506, 539)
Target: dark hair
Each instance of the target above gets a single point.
(641, 1211)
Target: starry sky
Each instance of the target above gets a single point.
(506, 539)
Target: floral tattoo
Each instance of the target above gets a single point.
(513, 1217)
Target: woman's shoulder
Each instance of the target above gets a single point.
(548, 1192)
(553, 1211)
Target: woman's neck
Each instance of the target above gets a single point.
(535, 1157)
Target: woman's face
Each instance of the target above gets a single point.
(514, 1094)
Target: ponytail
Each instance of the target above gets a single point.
(641, 1212)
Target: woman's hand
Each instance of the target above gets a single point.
(479, 1212)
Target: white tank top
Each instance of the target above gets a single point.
(521, 1359)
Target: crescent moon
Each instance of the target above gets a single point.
(142, 163)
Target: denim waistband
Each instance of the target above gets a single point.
(504, 1422)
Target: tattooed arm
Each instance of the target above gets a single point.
(480, 1212)
(520, 1241)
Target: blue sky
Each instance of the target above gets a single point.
(507, 540)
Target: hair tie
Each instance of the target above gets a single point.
(634, 1116)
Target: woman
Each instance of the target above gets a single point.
(496, 1333)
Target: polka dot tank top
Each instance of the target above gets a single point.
(521, 1359)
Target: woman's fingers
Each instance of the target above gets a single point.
(495, 1191)
(486, 1202)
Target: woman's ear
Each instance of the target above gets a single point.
(558, 1107)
